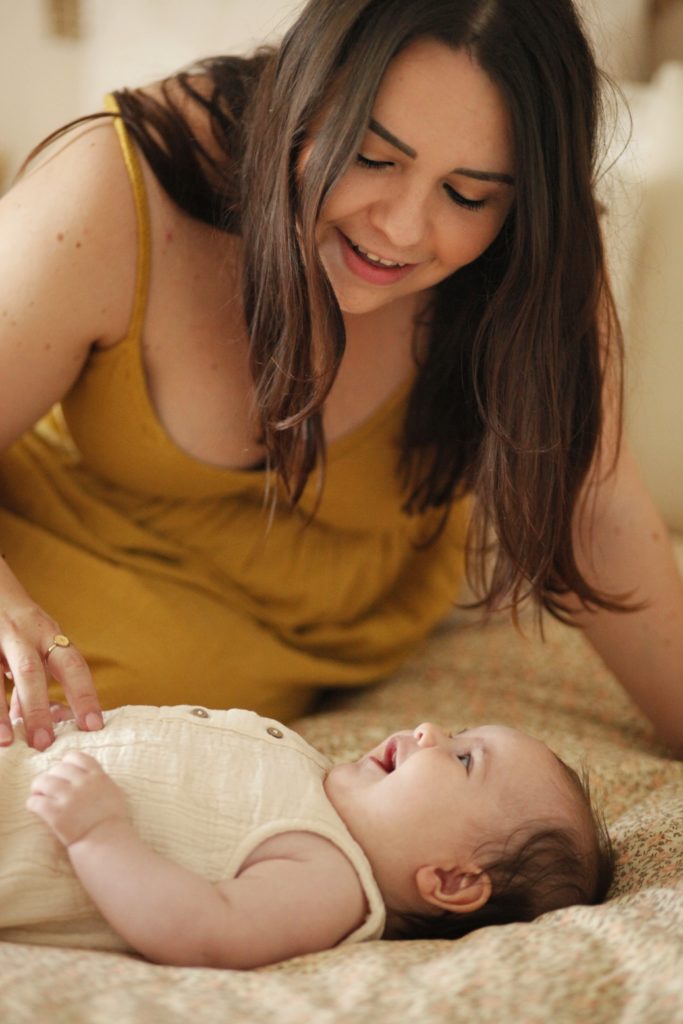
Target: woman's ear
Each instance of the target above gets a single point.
(458, 890)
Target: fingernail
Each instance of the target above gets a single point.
(94, 721)
(5, 734)
(41, 739)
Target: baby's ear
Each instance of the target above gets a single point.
(459, 890)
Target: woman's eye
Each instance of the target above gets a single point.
(374, 165)
(466, 760)
(468, 204)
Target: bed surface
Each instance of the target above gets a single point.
(622, 961)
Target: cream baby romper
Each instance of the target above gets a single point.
(204, 789)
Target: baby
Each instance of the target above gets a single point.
(221, 838)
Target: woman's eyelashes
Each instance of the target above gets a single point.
(374, 165)
(453, 194)
(468, 204)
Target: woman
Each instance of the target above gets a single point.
(319, 322)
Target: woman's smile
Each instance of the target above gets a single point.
(370, 267)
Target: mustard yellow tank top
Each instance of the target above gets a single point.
(171, 575)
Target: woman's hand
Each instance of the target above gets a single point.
(75, 796)
(31, 651)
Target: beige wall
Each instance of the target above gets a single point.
(132, 41)
(45, 81)
(667, 40)
(39, 80)
(633, 37)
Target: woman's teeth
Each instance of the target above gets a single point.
(374, 258)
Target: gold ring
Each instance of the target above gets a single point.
(58, 640)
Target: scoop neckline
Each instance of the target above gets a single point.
(334, 449)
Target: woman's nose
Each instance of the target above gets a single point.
(428, 735)
(402, 218)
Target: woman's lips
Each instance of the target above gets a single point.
(373, 273)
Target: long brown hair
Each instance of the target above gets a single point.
(507, 403)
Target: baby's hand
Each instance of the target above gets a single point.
(75, 796)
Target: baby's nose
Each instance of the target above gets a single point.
(428, 734)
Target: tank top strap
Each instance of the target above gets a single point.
(134, 169)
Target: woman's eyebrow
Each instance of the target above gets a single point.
(388, 136)
(384, 133)
(468, 172)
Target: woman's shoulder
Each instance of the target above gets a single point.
(78, 166)
(75, 200)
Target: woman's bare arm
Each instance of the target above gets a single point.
(67, 275)
(624, 548)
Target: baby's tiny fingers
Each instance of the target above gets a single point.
(38, 804)
(50, 784)
(48, 811)
(61, 712)
(79, 759)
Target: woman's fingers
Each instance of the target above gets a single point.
(6, 731)
(68, 666)
(30, 670)
(30, 683)
(32, 648)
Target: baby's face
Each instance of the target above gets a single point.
(427, 797)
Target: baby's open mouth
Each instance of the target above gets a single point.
(388, 759)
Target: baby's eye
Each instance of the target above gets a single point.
(466, 760)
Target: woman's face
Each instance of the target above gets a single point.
(430, 187)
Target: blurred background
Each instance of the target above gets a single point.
(59, 57)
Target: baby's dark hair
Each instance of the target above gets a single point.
(552, 867)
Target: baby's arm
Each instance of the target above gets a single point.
(302, 896)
